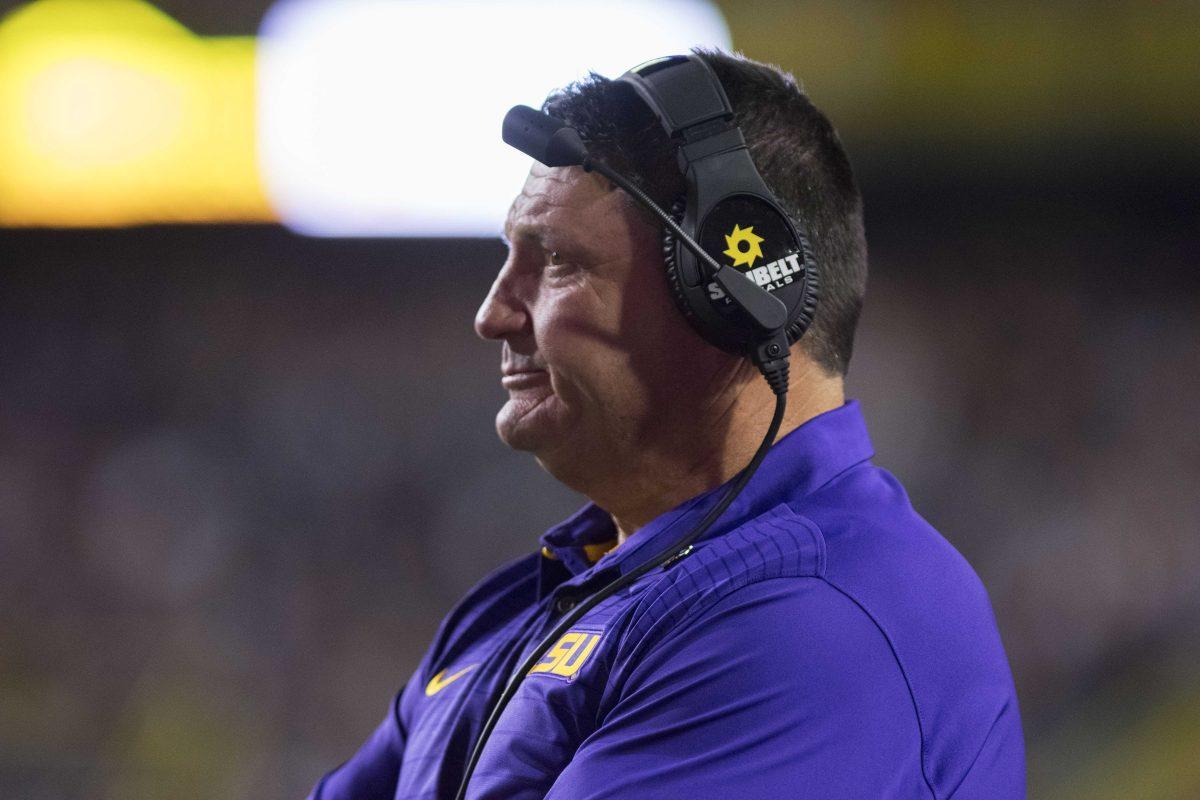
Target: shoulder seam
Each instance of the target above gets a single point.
(903, 672)
(979, 752)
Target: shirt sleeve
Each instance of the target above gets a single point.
(783, 688)
(372, 772)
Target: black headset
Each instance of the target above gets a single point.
(728, 208)
(741, 271)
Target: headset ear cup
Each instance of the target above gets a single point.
(803, 315)
(670, 249)
(685, 300)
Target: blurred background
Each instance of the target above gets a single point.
(247, 459)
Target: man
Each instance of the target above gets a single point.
(821, 640)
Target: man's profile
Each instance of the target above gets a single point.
(819, 640)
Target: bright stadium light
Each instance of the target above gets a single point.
(382, 117)
(112, 113)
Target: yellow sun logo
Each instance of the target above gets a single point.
(743, 246)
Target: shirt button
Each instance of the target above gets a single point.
(564, 604)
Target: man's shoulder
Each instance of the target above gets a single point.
(858, 532)
(934, 611)
(840, 571)
(870, 544)
(879, 551)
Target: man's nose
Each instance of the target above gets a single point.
(502, 313)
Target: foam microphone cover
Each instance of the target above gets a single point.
(542, 137)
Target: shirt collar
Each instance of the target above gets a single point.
(805, 459)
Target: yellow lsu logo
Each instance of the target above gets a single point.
(568, 655)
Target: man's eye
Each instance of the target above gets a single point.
(555, 258)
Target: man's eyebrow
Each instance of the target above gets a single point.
(531, 232)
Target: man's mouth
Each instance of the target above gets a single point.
(524, 378)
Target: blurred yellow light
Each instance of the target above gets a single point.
(111, 113)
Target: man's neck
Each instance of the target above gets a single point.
(663, 482)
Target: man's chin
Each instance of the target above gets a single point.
(530, 423)
(546, 430)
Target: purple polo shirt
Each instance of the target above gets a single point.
(821, 641)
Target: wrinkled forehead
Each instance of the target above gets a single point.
(566, 200)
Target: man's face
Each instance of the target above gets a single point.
(595, 357)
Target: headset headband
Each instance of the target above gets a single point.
(683, 90)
